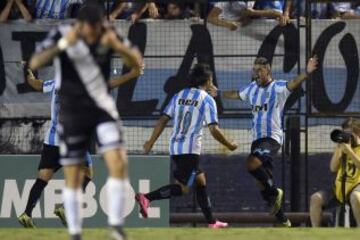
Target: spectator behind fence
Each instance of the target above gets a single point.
(333, 197)
(177, 10)
(56, 9)
(231, 14)
(13, 10)
(343, 10)
(133, 11)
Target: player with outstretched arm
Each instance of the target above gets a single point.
(189, 109)
(267, 98)
(82, 54)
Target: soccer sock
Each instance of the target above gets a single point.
(72, 199)
(35, 194)
(85, 183)
(116, 197)
(205, 204)
(262, 176)
(280, 216)
(168, 191)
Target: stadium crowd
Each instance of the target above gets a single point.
(174, 9)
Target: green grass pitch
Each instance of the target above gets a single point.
(190, 234)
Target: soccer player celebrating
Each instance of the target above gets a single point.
(83, 53)
(189, 109)
(50, 157)
(267, 98)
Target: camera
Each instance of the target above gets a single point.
(340, 136)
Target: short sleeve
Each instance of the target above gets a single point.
(170, 108)
(281, 88)
(211, 115)
(51, 39)
(244, 92)
(48, 86)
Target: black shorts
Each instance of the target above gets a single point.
(265, 149)
(76, 130)
(50, 158)
(187, 168)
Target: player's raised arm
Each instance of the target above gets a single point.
(311, 67)
(35, 83)
(132, 58)
(52, 46)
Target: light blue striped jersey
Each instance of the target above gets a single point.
(51, 137)
(190, 109)
(267, 104)
(270, 4)
(54, 9)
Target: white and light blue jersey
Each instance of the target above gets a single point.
(54, 9)
(190, 109)
(52, 136)
(268, 4)
(267, 105)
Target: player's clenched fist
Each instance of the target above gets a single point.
(147, 146)
(232, 146)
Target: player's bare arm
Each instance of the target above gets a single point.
(220, 137)
(40, 59)
(230, 94)
(35, 83)
(249, 12)
(335, 159)
(214, 18)
(131, 55)
(311, 67)
(159, 128)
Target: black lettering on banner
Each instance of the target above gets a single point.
(137, 35)
(2, 73)
(200, 47)
(28, 44)
(291, 54)
(349, 52)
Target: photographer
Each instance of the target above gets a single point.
(348, 150)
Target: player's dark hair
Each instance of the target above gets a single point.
(200, 74)
(91, 12)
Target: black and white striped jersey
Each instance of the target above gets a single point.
(81, 74)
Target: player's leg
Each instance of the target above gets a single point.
(109, 137)
(73, 146)
(317, 202)
(355, 204)
(49, 163)
(205, 203)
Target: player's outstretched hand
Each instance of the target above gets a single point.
(312, 64)
(147, 146)
(213, 90)
(233, 146)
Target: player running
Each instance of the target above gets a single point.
(82, 54)
(267, 98)
(189, 109)
(50, 157)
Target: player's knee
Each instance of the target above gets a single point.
(316, 200)
(45, 174)
(117, 163)
(252, 163)
(355, 199)
(201, 180)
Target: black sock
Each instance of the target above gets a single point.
(205, 204)
(85, 183)
(280, 216)
(172, 190)
(34, 196)
(262, 176)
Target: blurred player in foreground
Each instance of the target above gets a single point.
(267, 98)
(330, 198)
(189, 109)
(50, 156)
(82, 54)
